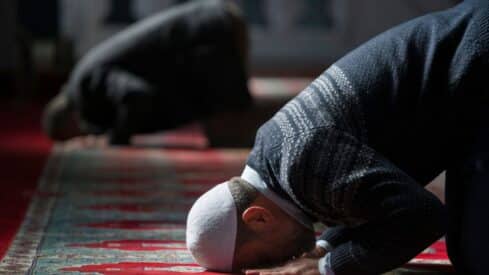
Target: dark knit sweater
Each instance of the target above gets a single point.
(355, 148)
(176, 66)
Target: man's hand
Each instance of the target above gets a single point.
(299, 266)
(316, 253)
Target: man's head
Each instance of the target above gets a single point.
(261, 233)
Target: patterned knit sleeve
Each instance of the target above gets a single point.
(334, 236)
(390, 218)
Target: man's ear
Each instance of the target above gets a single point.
(258, 218)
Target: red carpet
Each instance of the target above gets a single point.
(433, 258)
(23, 151)
(116, 210)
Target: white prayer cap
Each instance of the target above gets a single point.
(212, 226)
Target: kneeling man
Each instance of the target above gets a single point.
(354, 151)
(179, 65)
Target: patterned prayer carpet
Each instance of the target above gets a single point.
(115, 211)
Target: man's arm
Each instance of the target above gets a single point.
(338, 179)
(390, 218)
(402, 219)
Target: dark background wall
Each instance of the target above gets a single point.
(41, 40)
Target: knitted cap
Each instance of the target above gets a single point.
(211, 229)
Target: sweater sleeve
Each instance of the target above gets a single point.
(336, 235)
(388, 218)
(402, 219)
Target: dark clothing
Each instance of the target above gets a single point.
(178, 65)
(356, 147)
(467, 192)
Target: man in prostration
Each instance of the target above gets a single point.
(182, 64)
(354, 151)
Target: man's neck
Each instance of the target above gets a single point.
(253, 178)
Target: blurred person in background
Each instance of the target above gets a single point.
(179, 65)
